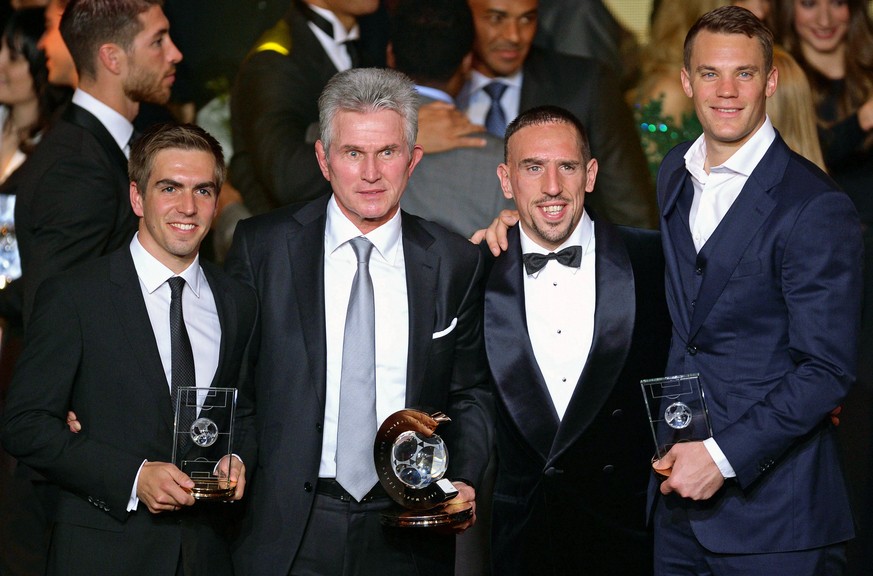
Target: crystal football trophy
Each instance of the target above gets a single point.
(411, 461)
(677, 413)
(199, 447)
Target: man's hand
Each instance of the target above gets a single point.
(694, 475)
(495, 234)
(237, 474)
(443, 127)
(466, 493)
(73, 422)
(163, 487)
(835, 415)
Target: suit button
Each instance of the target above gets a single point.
(698, 270)
(692, 350)
(608, 469)
(693, 303)
(318, 426)
(617, 413)
(307, 487)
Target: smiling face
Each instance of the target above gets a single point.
(177, 207)
(152, 60)
(504, 32)
(547, 176)
(368, 165)
(729, 85)
(821, 25)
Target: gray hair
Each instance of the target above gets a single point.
(366, 90)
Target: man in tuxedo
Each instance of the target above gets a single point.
(111, 340)
(274, 114)
(72, 203)
(510, 75)
(325, 380)
(575, 317)
(431, 43)
(763, 256)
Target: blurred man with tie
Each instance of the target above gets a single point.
(575, 317)
(112, 340)
(367, 310)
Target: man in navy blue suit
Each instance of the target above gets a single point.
(763, 256)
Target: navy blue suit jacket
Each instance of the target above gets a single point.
(768, 314)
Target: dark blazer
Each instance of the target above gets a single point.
(274, 102)
(589, 90)
(768, 314)
(73, 200)
(569, 496)
(90, 349)
(281, 254)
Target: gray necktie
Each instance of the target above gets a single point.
(181, 356)
(355, 468)
(495, 120)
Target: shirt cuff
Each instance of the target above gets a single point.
(134, 501)
(719, 458)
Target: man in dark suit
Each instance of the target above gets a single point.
(763, 256)
(424, 340)
(100, 344)
(524, 76)
(274, 114)
(72, 203)
(431, 43)
(568, 344)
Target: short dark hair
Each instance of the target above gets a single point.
(430, 39)
(547, 115)
(87, 24)
(731, 20)
(172, 136)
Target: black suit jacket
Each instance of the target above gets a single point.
(90, 348)
(589, 90)
(570, 494)
(281, 254)
(73, 200)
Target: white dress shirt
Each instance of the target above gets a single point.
(117, 125)
(714, 194)
(559, 308)
(335, 46)
(388, 271)
(198, 309)
(476, 102)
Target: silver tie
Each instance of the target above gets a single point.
(355, 468)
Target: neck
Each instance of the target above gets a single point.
(24, 116)
(111, 95)
(831, 64)
(347, 20)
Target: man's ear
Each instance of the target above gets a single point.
(111, 57)
(136, 200)
(505, 182)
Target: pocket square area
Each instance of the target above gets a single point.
(448, 330)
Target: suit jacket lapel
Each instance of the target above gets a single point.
(676, 234)
(725, 248)
(422, 267)
(305, 260)
(81, 117)
(518, 381)
(130, 309)
(229, 322)
(614, 315)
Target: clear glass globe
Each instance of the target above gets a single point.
(419, 460)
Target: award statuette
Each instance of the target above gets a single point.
(199, 444)
(411, 461)
(677, 413)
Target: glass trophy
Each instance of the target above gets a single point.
(677, 413)
(411, 461)
(203, 435)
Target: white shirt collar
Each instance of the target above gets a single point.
(340, 34)
(434, 94)
(743, 161)
(478, 81)
(339, 230)
(117, 125)
(581, 236)
(152, 273)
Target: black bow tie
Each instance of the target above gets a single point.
(569, 256)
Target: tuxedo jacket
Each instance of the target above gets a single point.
(281, 254)
(73, 200)
(570, 494)
(589, 90)
(458, 189)
(767, 313)
(90, 348)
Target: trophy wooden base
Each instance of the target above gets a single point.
(448, 515)
(213, 490)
